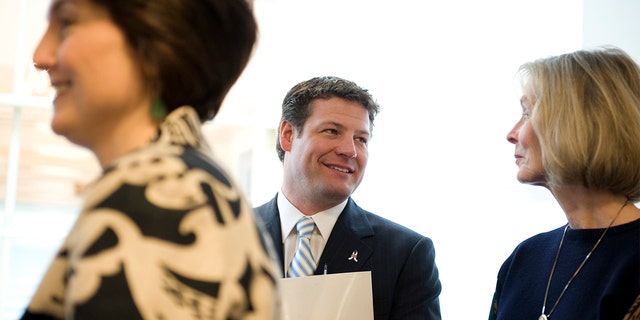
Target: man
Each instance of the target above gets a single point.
(322, 141)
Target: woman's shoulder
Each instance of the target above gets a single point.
(164, 172)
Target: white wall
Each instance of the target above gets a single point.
(613, 22)
(443, 72)
(15, 39)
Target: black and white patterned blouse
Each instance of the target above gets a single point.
(163, 234)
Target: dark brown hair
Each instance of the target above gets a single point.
(191, 51)
(296, 104)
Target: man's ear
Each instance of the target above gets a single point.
(286, 135)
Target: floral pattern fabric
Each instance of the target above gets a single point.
(163, 234)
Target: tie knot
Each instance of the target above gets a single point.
(305, 227)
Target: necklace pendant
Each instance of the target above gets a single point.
(543, 317)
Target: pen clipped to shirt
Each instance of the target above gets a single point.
(325, 269)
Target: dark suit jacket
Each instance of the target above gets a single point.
(404, 276)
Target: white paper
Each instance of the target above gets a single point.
(338, 296)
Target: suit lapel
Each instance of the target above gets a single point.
(271, 218)
(349, 246)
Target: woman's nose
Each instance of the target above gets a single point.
(44, 57)
(512, 136)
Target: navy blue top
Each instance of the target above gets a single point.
(604, 289)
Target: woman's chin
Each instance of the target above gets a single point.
(534, 180)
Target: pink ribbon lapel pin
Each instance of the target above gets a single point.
(354, 256)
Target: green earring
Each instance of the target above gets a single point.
(158, 109)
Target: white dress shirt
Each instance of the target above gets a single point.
(289, 216)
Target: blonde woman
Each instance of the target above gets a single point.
(579, 137)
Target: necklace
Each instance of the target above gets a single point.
(544, 316)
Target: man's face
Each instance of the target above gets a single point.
(325, 162)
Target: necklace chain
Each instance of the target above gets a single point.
(544, 316)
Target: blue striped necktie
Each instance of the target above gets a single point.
(303, 263)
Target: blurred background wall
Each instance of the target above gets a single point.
(443, 72)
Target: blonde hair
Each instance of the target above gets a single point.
(586, 114)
